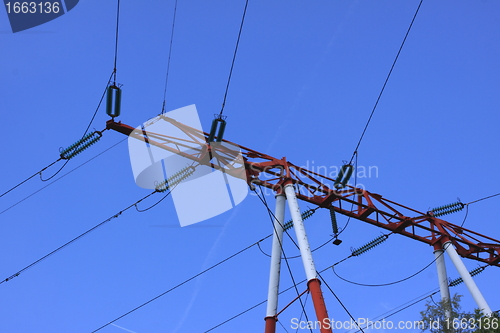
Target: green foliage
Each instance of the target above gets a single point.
(447, 317)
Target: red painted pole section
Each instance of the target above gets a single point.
(270, 324)
(319, 306)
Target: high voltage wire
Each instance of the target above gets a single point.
(234, 59)
(116, 40)
(386, 80)
(169, 55)
(113, 75)
(389, 283)
(206, 270)
(48, 166)
(338, 299)
(180, 284)
(404, 308)
(295, 257)
(174, 181)
(74, 239)
(488, 197)
(67, 173)
(263, 302)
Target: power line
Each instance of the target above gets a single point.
(75, 239)
(236, 316)
(234, 58)
(86, 130)
(295, 257)
(488, 197)
(168, 61)
(67, 173)
(390, 283)
(386, 80)
(116, 40)
(24, 181)
(281, 292)
(180, 284)
(404, 308)
(48, 166)
(338, 299)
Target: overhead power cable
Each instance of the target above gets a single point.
(488, 197)
(180, 284)
(51, 164)
(386, 80)
(116, 41)
(389, 283)
(265, 301)
(298, 256)
(234, 59)
(404, 308)
(340, 302)
(75, 239)
(24, 181)
(169, 55)
(67, 173)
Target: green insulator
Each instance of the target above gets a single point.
(305, 215)
(456, 282)
(113, 101)
(447, 209)
(220, 124)
(79, 146)
(344, 176)
(369, 245)
(333, 217)
(473, 272)
(175, 179)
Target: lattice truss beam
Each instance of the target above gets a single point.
(272, 173)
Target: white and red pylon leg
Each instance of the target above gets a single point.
(442, 276)
(467, 278)
(313, 282)
(274, 275)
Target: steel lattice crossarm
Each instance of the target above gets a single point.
(273, 173)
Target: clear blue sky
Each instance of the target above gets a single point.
(305, 80)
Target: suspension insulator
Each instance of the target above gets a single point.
(333, 217)
(305, 215)
(447, 209)
(175, 179)
(220, 124)
(335, 227)
(79, 146)
(474, 272)
(344, 176)
(370, 245)
(113, 101)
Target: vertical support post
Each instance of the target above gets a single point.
(465, 275)
(307, 260)
(274, 275)
(442, 277)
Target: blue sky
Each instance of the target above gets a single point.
(305, 79)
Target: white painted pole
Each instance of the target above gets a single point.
(465, 275)
(313, 283)
(442, 275)
(274, 275)
(443, 278)
(300, 232)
